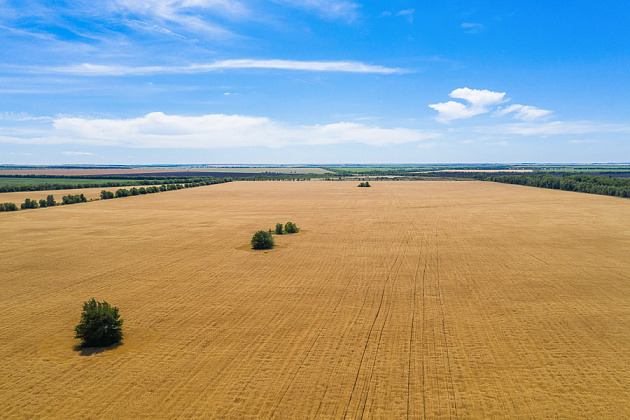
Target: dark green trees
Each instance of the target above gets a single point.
(8, 207)
(106, 195)
(50, 200)
(364, 184)
(279, 228)
(29, 204)
(73, 199)
(100, 325)
(290, 227)
(262, 240)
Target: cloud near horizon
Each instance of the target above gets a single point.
(158, 130)
(87, 69)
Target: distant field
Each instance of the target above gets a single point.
(468, 300)
(19, 181)
(179, 171)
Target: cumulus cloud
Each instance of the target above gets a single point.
(158, 130)
(479, 102)
(87, 69)
(524, 112)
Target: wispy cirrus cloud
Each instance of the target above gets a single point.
(472, 28)
(158, 130)
(524, 112)
(330, 9)
(87, 69)
(78, 153)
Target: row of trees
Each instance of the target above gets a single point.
(619, 187)
(105, 184)
(105, 195)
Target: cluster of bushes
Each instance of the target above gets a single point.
(8, 207)
(263, 239)
(73, 199)
(364, 184)
(619, 187)
(289, 227)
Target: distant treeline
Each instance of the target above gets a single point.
(104, 184)
(121, 192)
(619, 187)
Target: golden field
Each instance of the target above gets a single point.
(404, 300)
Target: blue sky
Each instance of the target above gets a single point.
(313, 81)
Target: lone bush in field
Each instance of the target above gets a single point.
(365, 184)
(279, 228)
(290, 227)
(262, 240)
(100, 325)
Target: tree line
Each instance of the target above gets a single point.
(106, 184)
(105, 195)
(618, 187)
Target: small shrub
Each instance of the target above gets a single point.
(290, 227)
(100, 325)
(279, 228)
(29, 204)
(365, 184)
(122, 192)
(262, 240)
(8, 207)
(50, 200)
(106, 195)
(43, 203)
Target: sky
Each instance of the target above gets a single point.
(313, 82)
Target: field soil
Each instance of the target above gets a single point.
(404, 300)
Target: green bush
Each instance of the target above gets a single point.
(122, 192)
(29, 204)
(364, 184)
(100, 325)
(290, 227)
(43, 203)
(106, 195)
(8, 207)
(262, 240)
(73, 199)
(279, 228)
(50, 200)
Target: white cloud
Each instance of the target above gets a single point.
(472, 28)
(330, 9)
(552, 128)
(87, 69)
(21, 116)
(524, 112)
(158, 130)
(480, 102)
(78, 153)
(188, 14)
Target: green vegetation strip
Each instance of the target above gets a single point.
(618, 187)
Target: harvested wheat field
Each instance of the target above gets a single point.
(404, 300)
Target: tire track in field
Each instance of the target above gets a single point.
(441, 303)
(378, 311)
(413, 318)
(380, 336)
